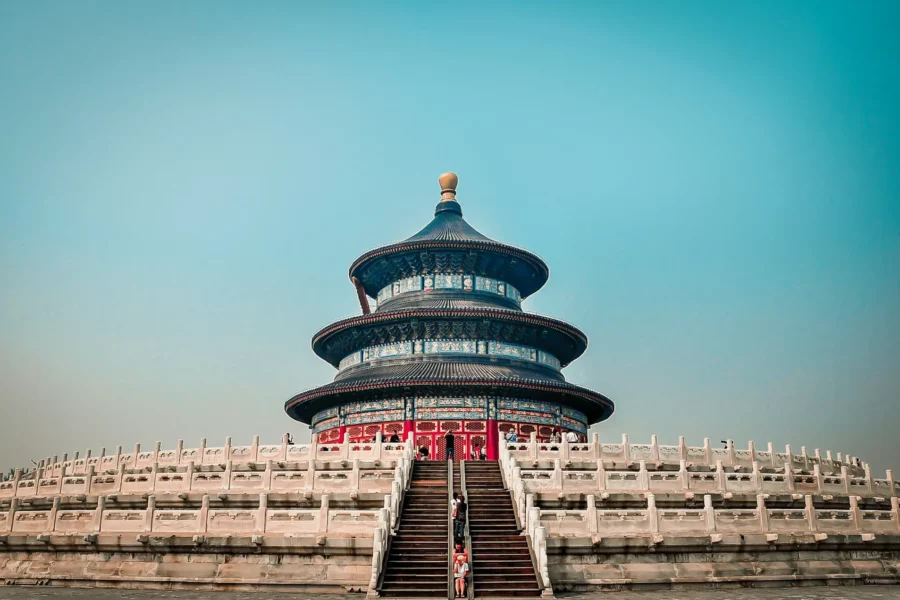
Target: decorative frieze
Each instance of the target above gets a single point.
(449, 281)
(449, 347)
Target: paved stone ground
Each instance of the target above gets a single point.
(872, 592)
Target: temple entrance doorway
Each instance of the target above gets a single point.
(467, 436)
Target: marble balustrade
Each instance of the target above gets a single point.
(612, 522)
(204, 455)
(595, 477)
(109, 517)
(352, 475)
(729, 456)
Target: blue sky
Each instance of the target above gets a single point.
(714, 186)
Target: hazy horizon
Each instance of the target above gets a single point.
(714, 187)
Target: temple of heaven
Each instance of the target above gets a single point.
(448, 347)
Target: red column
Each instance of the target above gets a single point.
(493, 440)
(409, 426)
(341, 431)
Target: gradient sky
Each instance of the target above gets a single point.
(714, 186)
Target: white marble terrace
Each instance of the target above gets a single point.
(770, 493)
(260, 490)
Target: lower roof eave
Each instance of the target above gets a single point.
(594, 405)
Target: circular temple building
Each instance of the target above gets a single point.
(448, 347)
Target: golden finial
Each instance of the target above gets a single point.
(448, 183)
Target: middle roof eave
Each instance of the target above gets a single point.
(563, 340)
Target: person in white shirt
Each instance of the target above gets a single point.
(571, 437)
(460, 569)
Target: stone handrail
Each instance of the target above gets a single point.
(115, 513)
(388, 526)
(106, 518)
(343, 475)
(653, 452)
(220, 455)
(735, 480)
(715, 521)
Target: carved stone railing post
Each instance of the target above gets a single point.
(652, 513)
(179, 450)
(789, 455)
(539, 539)
(51, 524)
(889, 475)
(11, 515)
(88, 480)
(532, 446)
(282, 453)
(643, 475)
(805, 457)
(682, 449)
(757, 478)
(354, 475)
(189, 476)
(148, 515)
(601, 475)
(710, 513)
(137, 453)
(156, 449)
(534, 521)
(854, 511)
(227, 475)
(395, 504)
(771, 451)
(895, 511)
(789, 476)
(720, 477)
(97, 518)
(817, 476)
(254, 449)
(345, 447)
(557, 474)
(17, 477)
(227, 449)
(323, 514)
(120, 478)
(267, 477)
(204, 513)
(810, 513)
(154, 469)
(654, 448)
(707, 452)
(260, 524)
(683, 475)
(763, 513)
(845, 478)
(870, 484)
(592, 523)
(529, 504)
(626, 448)
(377, 544)
(378, 443)
(310, 472)
(596, 448)
(751, 448)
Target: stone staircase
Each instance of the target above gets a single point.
(418, 561)
(501, 561)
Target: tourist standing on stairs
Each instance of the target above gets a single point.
(571, 437)
(459, 520)
(450, 440)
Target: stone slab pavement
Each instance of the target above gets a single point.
(872, 592)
